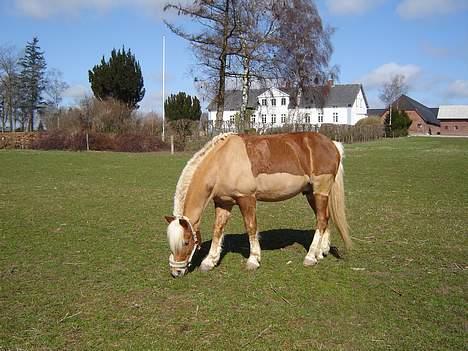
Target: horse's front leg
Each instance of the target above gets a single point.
(248, 207)
(222, 212)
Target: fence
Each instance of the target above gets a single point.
(339, 132)
(188, 135)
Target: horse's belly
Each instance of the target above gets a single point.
(280, 186)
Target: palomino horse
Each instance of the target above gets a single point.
(235, 169)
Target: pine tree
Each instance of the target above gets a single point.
(120, 78)
(32, 80)
(182, 106)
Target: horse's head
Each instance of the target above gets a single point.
(183, 242)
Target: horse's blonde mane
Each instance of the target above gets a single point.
(189, 169)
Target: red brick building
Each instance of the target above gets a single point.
(424, 119)
(453, 120)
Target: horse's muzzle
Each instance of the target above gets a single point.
(177, 272)
(178, 268)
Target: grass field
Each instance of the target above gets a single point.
(84, 258)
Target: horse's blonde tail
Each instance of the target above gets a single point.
(336, 201)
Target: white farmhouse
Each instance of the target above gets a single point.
(340, 104)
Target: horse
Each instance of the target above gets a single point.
(235, 169)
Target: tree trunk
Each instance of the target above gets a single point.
(222, 69)
(220, 95)
(244, 123)
(296, 108)
(31, 122)
(4, 117)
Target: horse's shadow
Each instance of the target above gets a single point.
(274, 239)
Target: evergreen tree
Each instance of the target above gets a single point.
(120, 78)
(32, 80)
(400, 123)
(182, 106)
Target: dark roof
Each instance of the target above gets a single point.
(376, 111)
(336, 95)
(233, 99)
(408, 104)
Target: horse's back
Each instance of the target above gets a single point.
(306, 153)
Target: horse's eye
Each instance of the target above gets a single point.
(186, 242)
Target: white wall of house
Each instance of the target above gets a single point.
(272, 108)
(359, 110)
(226, 115)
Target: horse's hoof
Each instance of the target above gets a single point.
(206, 265)
(326, 250)
(252, 264)
(310, 261)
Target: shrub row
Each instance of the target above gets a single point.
(132, 142)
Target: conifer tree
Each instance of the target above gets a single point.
(32, 80)
(119, 78)
(182, 106)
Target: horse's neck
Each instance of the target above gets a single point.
(198, 196)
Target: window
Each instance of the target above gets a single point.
(273, 102)
(253, 119)
(283, 118)
(320, 117)
(232, 119)
(335, 117)
(263, 118)
(264, 102)
(283, 101)
(307, 118)
(419, 125)
(273, 119)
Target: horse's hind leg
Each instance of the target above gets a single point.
(321, 187)
(315, 251)
(223, 212)
(325, 240)
(248, 209)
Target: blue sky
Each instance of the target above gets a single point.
(425, 40)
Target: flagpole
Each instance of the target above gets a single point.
(163, 82)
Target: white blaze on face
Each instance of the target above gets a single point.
(175, 236)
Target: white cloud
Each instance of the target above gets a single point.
(152, 102)
(458, 89)
(424, 8)
(76, 92)
(382, 74)
(47, 8)
(351, 7)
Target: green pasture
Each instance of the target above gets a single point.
(84, 258)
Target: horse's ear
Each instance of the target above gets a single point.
(169, 219)
(183, 222)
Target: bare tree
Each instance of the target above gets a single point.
(256, 38)
(9, 83)
(217, 20)
(392, 90)
(55, 87)
(304, 50)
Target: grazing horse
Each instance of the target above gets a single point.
(235, 169)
